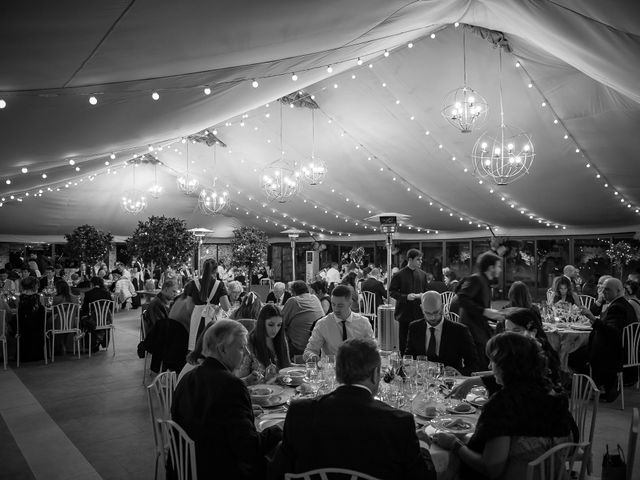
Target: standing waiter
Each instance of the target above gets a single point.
(407, 287)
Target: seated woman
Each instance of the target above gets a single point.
(564, 292)
(31, 318)
(520, 297)
(519, 422)
(450, 279)
(249, 309)
(267, 347)
(319, 289)
(235, 292)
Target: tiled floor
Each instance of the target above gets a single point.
(90, 416)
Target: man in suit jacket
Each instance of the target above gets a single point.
(443, 341)
(348, 428)
(474, 298)
(48, 280)
(605, 341)
(407, 287)
(214, 407)
(436, 285)
(278, 295)
(375, 286)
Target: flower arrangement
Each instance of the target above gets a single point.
(526, 258)
(356, 255)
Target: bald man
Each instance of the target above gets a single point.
(441, 340)
(605, 342)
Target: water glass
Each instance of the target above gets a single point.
(312, 376)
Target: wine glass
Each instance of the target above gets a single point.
(312, 375)
(409, 367)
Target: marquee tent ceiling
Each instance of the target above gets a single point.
(581, 58)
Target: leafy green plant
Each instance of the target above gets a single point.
(88, 244)
(249, 246)
(163, 241)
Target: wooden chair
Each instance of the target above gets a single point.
(182, 450)
(454, 317)
(586, 300)
(103, 311)
(369, 310)
(583, 405)
(160, 396)
(65, 318)
(329, 473)
(3, 336)
(631, 343)
(557, 463)
(633, 442)
(447, 298)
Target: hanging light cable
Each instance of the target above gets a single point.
(210, 202)
(133, 201)
(504, 154)
(187, 183)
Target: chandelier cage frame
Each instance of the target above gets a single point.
(505, 154)
(155, 190)
(464, 108)
(187, 183)
(316, 169)
(279, 180)
(210, 201)
(133, 201)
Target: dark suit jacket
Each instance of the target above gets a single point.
(456, 345)
(474, 296)
(438, 286)
(402, 283)
(272, 298)
(605, 341)
(213, 406)
(375, 286)
(348, 428)
(91, 296)
(44, 281)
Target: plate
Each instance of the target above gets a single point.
(477, 402)
(457, 425)
(264, 390)
(452, 411)
(296, 374)
(269, 420)
(423, 409)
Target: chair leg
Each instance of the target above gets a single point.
(18, 351)
(4, 353)
(45, 349)
(621, 387)
(90, 345)
(53, 347)
(113, 339)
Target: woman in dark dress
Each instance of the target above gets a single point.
(31, 318)
(520, 422)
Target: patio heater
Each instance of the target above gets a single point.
(199, 233)
(293, 234)
(388, 226)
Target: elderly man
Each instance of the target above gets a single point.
(474, 298)
(340, 325)
(572, 273)
(278, 295)
(348, 428)
(158, 308)
(605, 341)
(407, 287)
(298, 315)
(441, 340)
(214, 407)
(600, 302)
(235, 293)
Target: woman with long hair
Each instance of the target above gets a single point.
(319, 289)
(564, 292)
(267, 347)
(520, 422)
(63, 294)
(249, 307)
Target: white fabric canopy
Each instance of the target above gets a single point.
(582, 61)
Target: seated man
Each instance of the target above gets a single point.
(443, 341)
(158, 308)
(341, 324)
(348, 428)
(48, 282)
(299, 314)
(373, 284)
(278, 295)
(87, 319)
(213, 406)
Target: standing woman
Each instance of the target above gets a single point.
(268, 351)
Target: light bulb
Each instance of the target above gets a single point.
(330, 69)
(410, 45)
(386, 53)
(44, 175)
(255, 84)
(294, 77)
(207, 91)
(155, 96)
(93, 100)
(3, 103)
(433, 35)
(457, 24)
(72, 162)
(24, 170)
(106, 162)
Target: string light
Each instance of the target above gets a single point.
(155, 96)
(93, 100)
(3, 103)
(207, 91)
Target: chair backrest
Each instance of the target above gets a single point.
(66, 317)
(633, 442)
(586, 300)
(631, 342)
(447, 297)
(182, 450)
(103, 312)
(557, 463)
(3, 326)
(161, 393)
(583, 405)
(454, 317)
(369, 300)
(329, 473)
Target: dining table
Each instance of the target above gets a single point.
(566, 338)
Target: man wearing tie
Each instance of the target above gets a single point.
(441, 340)
(341, 324)
(407, 287)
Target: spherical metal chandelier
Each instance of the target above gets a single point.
(504, 154)
(133, 202)
(187, 183)
(211, 202)
(464, 108)
(155, 190)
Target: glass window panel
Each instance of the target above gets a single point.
(553, 255)
(432, 261)
(520, 265)
(458, 258)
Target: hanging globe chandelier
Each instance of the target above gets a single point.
(504, 154)
(155, 190)
(187, 183)
(133, 201)
(210, 200)
(314, 171)
(464, 108)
